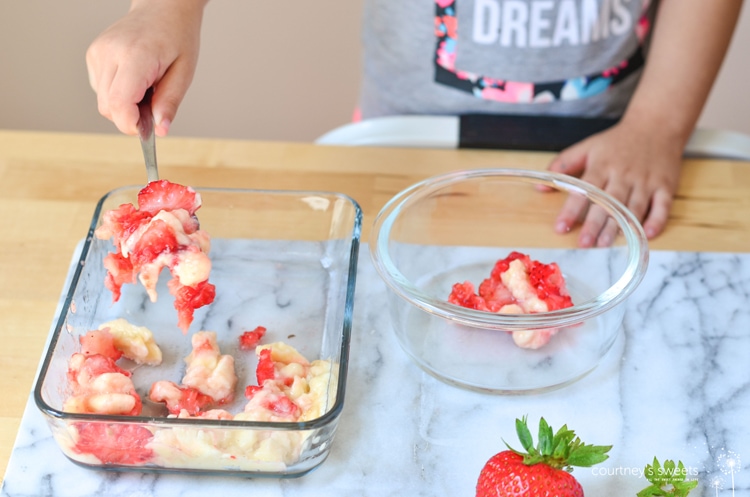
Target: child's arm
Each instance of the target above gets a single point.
(638, 161)
(155, 44)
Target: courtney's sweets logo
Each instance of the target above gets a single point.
(661, 472)
(675, 478)
(669, 471)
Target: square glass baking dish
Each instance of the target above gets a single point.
(284, 260)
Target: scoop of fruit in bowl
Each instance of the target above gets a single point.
(484, 294)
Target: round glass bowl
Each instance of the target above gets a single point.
(453, 228)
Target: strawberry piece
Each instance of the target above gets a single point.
(265, 370)
(122, 222)
(548, 281)
(540, 471)
(163, 195)
(502, 265)
(284, 406)
(463, 294)
(158, 239)
(178, 398)
(193, 401)
(273, 400)
(100, 342)
(251, 390)
(495, 294)
(119, 271)
(249, 339)
(114, 443)
(281, 405)
(187, 299)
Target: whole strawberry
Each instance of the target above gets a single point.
(540, 471)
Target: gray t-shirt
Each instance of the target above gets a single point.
(562, 57)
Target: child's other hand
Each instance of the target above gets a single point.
(155, 44)
(637, 165)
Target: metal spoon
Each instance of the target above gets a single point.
(146, 134)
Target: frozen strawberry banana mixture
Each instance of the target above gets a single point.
(98, 385)
(135, 342)
(518, 285)
(209, 379)
(289, 389)
(162, 231)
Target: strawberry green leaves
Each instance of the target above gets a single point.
(669, 479)
(561, 449)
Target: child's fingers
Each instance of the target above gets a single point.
(658, 215)
(572, 213)
(592, 227)
(169, 92)
(608, 233)
(128, 87)
(569, 162)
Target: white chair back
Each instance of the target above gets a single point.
(420, 131)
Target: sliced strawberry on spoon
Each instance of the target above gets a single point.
(164, 195)
(544, 470)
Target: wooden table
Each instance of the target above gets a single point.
(50, 182)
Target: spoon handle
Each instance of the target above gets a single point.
(146, 134)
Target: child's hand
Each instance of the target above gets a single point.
(636, 165)
(155, 44)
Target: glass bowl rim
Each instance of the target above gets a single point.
(635, 237)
